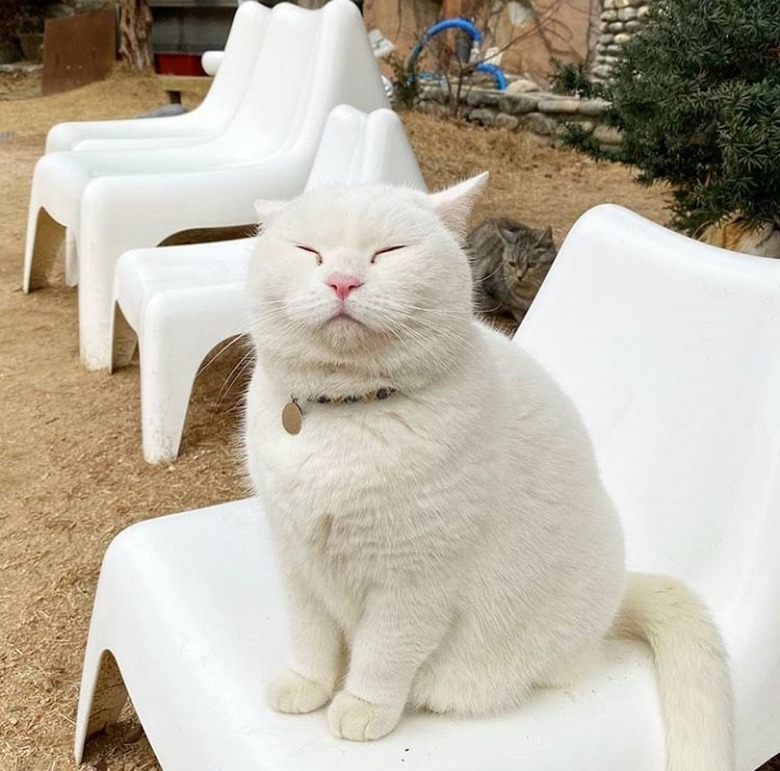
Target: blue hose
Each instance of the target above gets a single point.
(495, 71)
(468, 27)
(476, 36)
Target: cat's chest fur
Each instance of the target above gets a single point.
(366, 484)
(363, 495)
(422, 486)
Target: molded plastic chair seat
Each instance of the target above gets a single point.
(113, 201)
(670, 349)
(190, 608)
(202, 123)
(181, 301)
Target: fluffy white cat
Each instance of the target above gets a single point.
(444, 536)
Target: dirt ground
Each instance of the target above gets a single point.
(72, 475)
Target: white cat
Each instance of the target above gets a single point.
(445, 539)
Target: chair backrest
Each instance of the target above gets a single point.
(670, 349)
(358, 148)
(245, 40)
(311, 60)
(215, 112)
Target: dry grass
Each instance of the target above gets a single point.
(72, 474)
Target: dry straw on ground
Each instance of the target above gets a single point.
(72, 475)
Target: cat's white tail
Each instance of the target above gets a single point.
(693, 672)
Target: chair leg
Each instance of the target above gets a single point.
(96, 281)
(167, 377)
(109, 697)
(71, 259)
(44, 241)
(123, 340)
(102, 696)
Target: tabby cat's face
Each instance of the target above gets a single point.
(347, 273)
(528, 255)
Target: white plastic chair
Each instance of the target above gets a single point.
(115, 201)
(178, 302)
(671, 351)
(204, 122)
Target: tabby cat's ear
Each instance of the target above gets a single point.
(454, 204)
(267, 209)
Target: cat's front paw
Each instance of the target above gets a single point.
(294, 694)
(360, 721)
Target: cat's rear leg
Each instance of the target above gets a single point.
(572, 667)
(467, 688)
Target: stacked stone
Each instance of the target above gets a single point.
(518, 108)
(619, 20)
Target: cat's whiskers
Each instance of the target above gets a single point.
(238, 371)
(272, 315)
(492, 309)
(431, 311)
(406, 312)
(237, 336)
(422, 325)
(484, 279)
(409, 337)
(412, 340)
(426, 319)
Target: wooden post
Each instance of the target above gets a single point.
(135, 33)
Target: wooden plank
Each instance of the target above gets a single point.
(174, 85)
(77, 50)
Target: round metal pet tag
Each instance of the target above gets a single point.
(292, 418)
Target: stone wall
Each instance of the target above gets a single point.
(523, 106)
(619, 20)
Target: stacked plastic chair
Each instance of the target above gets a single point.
(673, 359)
(113, 201)
(203, 123)
(207, 120)
(178, 302)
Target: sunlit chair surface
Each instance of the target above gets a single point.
(671, 351)
(115, 201)
(204, 122)
(178, 302)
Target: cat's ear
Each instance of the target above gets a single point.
(547, 235)
(454, 205)
(267, 209)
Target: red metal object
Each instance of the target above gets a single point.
(178, 63)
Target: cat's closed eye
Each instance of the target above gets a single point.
(312, 250)
(387, 250)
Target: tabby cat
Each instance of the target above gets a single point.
(509, 261)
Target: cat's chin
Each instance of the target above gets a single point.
(344, 330)
(343, 316)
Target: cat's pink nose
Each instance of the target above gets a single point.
(343, 284)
